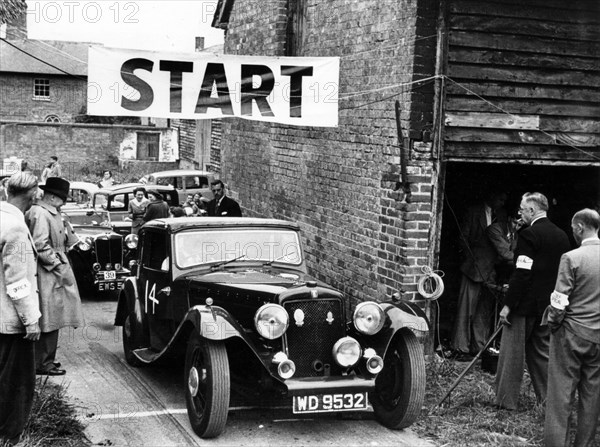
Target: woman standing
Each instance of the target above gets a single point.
(157, 208)
(137, 209)
(107, 179)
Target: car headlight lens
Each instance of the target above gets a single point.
(85, 244)
(346, 352)
(131, 241)
(368, 318)
(271, 321)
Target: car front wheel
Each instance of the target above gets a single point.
(400, 387)
(207, 386)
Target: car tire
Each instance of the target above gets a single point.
(400, 387)
(207, 386)
(131, 341)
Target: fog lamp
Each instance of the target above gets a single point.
(368, 318)
(286, 369)
(346, 352)
(118, 266)
(96, 267)
(374, 364)
(271, 321)
(131, 241)
(108, 266)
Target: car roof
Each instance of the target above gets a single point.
(185, 223)
(129, 187)
(84, 185)
(174, 172)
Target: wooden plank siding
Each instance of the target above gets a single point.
(523, 81)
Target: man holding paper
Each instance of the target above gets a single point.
(574, 319)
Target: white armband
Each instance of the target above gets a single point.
(524, 262)
(19, 290)
(559, 300)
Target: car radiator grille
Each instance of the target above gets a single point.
(310, 344)
(109, 250)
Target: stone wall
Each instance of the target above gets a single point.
(363, 233)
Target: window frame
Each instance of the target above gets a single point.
(37, 85)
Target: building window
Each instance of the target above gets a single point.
(52, 119)
(41, 89)
(147, 145)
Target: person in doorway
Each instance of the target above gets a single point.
(222, 205)
(19, 308)
(52, 169)
(157, 208)
(137, 209)
(107, 179)
(472, 326)
(524, 339)
(60, 302)
(574, 320)
(503, 236)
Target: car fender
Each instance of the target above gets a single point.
(127, 300)
(399, 316)
(214, 323)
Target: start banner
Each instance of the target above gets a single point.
(300, 91)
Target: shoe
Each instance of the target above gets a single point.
(50, 372)
(56, 364)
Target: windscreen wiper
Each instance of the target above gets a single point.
(224, 263)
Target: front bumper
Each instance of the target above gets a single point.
(323, 385)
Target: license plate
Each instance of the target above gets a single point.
(322, 403)
(110, 286)
(110, 275)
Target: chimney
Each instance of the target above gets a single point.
(199, 43)
(16, 29)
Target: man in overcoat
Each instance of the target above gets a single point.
(222, 205)
(574, 319)
(19, 308)
(60, 303)
(524, 339)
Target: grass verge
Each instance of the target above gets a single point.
(53, 421)
(469, 418)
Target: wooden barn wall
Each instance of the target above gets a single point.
(523, 81)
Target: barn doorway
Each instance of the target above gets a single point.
(568, 188)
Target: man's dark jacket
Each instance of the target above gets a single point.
(228, 207)
(529, 290)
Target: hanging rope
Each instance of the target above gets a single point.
(431, 286)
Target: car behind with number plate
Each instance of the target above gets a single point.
(232, 296)
(100, 256)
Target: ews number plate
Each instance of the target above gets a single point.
(322, 403)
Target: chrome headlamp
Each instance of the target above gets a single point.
(131, 241)
(346, 352)
(271, 321)
(368, 318)
(85, 244)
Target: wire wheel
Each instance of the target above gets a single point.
(207, 386)
(400, 387)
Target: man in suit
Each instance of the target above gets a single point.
(472, 325)
(574, 319)
(537, 256)
(222, 205)
(503, 236)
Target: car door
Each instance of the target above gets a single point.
(154, 285)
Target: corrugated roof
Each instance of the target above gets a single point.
(70, 57)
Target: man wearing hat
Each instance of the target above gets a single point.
(60, 303)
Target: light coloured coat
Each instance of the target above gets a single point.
(19, 300)
(60, 303)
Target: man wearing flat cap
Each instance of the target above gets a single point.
(60, 303)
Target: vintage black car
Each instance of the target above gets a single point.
(115, 200)
(234, 295)
(100, 257)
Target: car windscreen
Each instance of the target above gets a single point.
(210, 246)
(88, 218)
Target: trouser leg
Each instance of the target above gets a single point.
(589, 396)
(482, 320)
(17, 384)
(467, 303)
(509, 373)
(563, 376)
(45, 350)
(537, 348)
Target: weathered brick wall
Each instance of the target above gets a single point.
(84, 150)
(362, 233)
(67, 97)
(187, 141)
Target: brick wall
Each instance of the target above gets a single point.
(362, 234)
(67, 97)
(84, 150)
